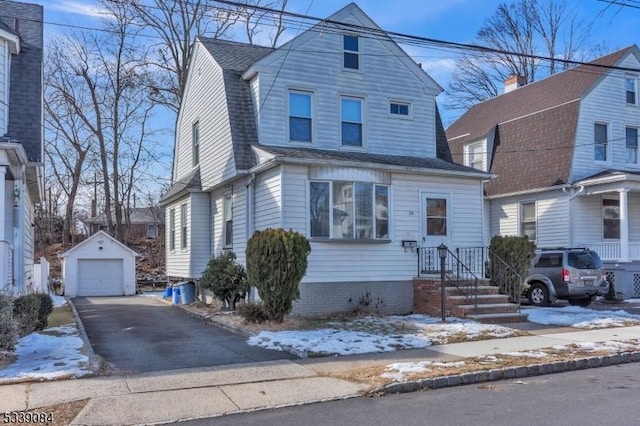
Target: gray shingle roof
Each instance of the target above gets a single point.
(534, 125)
(189, 183)
(364, 157)
(25, 98)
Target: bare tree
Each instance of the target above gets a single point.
(516, 33)
(174, 24)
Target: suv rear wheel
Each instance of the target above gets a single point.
(538, 295)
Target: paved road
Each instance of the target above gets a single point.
(600, 396)
(138, 334)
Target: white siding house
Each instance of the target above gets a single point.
(329, 144)
(21, 143)
(565, 152)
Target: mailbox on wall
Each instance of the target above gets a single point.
(409, 245)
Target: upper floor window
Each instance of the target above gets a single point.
(610, 219)
(528, 220)
(359, 210)
(474, 156)
(350, 45)
(631, 89)
(632, 145)
(300, 116)
(172, 229)
(195, 142)
(152, 231)
(183, 226)
(600, 135)
(399, 109)
(351, 112)
(227, 219)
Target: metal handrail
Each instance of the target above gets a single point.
(505, 277)
(464, 274)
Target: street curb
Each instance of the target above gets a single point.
(94, 364)
(508, 373)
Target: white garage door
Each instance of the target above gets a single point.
(100, 277)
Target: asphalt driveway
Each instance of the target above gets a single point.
(139, 334)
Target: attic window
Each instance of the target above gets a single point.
(399, 109)
(351, 50)
(631, 89)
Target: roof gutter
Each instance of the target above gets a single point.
(526, 192)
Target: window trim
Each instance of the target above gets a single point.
(607, 145)
(409, 105)
(626, 145)
(468, 148)
(609, 198)
(634, 79)
(521, 222)
(311, 94)
(331, 238)
(357, 53)
(362, 126)
(172, 229)
(195, 143)
(227, 240)
(183, 226)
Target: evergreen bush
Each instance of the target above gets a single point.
(8, 324)
(45, 309)
(25, 311)
(516, 252)
(276, 263)
(226, 279)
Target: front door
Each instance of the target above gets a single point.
(436, 221)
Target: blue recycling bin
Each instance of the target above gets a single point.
(168, 291)
(187, 292)
(176, 295)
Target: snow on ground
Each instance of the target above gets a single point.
(372, 334)
(50, 354)
(631, 300)
(398, 370)
(58, 300)
(575, 316)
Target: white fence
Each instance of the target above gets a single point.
(41, 276)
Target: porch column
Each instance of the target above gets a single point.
(624, 226)
(4, 246)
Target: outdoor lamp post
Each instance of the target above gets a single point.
(442, 252)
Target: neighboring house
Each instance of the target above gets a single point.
(142, 222)
(336, 135)
(21, 141)
(565, 150)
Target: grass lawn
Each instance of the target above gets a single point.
(60, 316)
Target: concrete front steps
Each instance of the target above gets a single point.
(483, 303)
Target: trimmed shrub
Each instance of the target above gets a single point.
(226, 279)
(253, 312)
(276, 263)
(46, 307)
(517, 252)
(8, 325)
(25, 311)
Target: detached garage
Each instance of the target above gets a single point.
(99, 266)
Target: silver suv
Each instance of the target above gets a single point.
(574, 274)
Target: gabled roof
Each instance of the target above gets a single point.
(98, 235)
(537, 120)
(189, 183)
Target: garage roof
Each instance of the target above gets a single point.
(96, 236)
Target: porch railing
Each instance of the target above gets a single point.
(468, 264)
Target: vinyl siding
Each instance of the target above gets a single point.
(4, 74)
(295, 186)
(268, 199)
(605, 103)
(199, 238)
(552, 217)
(587, 218)
(314, 64)
(205, 101)
(178, 261)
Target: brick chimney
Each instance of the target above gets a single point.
(513, 82)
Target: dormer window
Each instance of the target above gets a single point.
(474, 155)
(351, 49)
(631, 89)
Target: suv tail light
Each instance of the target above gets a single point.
(566, 275)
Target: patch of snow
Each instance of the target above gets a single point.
(631, 301)
(53, 353)
(528, 354)
(58, 300)
(398, 370)
(578, 317)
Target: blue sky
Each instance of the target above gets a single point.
(450, 20)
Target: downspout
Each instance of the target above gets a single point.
(250, 189)
(566, 190)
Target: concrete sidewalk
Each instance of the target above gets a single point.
(173, 395)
